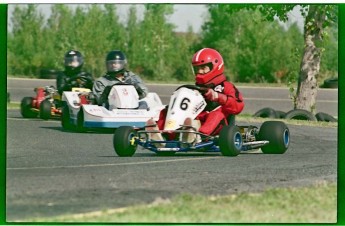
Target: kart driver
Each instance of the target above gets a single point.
(222, 97)
(116, 73)
(72, 75)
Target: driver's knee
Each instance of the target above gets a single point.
(143, 105)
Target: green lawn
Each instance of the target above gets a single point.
(313, 204)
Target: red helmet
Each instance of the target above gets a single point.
(211, 58)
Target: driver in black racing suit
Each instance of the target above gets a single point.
(72, 76)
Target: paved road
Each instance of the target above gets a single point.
(52, 172)
(255, 98)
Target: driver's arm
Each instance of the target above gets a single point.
(88, 83)
(138, 84)
(97, 90)
(61, 83)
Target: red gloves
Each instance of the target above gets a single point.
(214, 96)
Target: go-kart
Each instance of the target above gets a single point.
(272, 137)
(123, 107)
(45, 104)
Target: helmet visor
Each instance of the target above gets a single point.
(202, 69)
(73, 61)
(115, 65)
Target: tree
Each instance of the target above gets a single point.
(254, 49)
(317, 18)
(156, 37)
(25, 41)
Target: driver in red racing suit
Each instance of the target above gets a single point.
(222, 97)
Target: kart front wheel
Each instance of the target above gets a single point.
(122, 141)
(278, 135)
(65, 118)
(230, 141)
(25, 108)
(80, 121)
(45, 109)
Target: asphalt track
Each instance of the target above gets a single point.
(52, 172)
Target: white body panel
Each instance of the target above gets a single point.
(184, 103)
(123, 100)
(124, 97)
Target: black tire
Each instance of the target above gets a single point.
(45, 109)
(231, 120)
(122, 141)
(300, 114)
(266, 113)
(65, 118)
(8, 97)
(331, 83)
(324, 117)
(280, 114)
(278, 135)
(25, 108)
(230, 141)
(80, 121)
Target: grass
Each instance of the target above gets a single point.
(13, 105)
(250, 119)
(313, 204)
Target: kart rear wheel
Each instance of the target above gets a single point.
(65, 118)
(230, 141)
(25, 108)
(278, 135)
(122, 141)
(45, 109)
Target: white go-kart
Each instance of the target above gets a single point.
(123, 108)
(272, 137)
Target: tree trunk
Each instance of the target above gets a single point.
(310, 65)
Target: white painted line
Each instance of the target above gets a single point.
(112, 164)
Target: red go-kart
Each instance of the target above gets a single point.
(45, 104)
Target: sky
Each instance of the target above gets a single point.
(184, 15)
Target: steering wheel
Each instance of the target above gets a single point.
(83, 78)
(195, 87)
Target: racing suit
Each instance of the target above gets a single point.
(216, 113)
(66, 81)
(100, 91)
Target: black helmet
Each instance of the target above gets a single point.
(74, 60)
(115, 62)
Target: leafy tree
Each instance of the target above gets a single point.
(156, 37)
(97, 35)
(254, 50)
(180, 60)
(329, 63)
(25, 41)
(317, 18)
(60, 29)
(133, 41)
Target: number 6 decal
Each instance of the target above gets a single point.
(184, 103)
